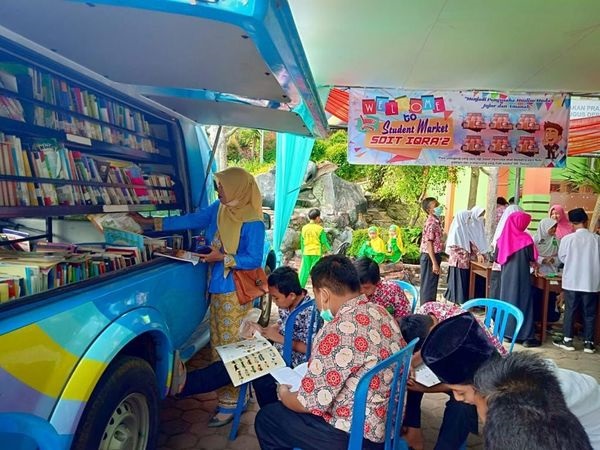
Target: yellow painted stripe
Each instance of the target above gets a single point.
(85, 379)
(34, 358)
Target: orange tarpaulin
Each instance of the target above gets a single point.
(338, 104)
(584, 135)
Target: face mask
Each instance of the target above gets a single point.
(438, 211)
(326, 315)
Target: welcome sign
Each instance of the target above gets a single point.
(463, 128)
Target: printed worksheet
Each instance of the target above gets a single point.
(249, 359)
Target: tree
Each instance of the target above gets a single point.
(221, 149)
(473, 185)
(409, 185)
(587, 176)
(492, 192)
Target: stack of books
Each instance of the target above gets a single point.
(48, 159)
(53, 265)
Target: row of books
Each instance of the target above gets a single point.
(53, 265)
(11, 108)
(57, 91)
(52, 160)
(58, 120)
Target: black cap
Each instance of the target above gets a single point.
(578, 215)
(456, 348)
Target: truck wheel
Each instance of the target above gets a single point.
(123, 411)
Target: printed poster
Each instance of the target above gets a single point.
(461, 128)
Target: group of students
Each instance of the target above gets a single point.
(380, 251)
(314, 244)
(561, 240)
(367, 319)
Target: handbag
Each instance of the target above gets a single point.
(250, 284)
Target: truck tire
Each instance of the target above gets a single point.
(123, 411)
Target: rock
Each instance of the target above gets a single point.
(291, 243)
(398, 212)
(266, 184)
(311, 172)
(337, 196)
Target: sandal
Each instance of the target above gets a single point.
(179, 376)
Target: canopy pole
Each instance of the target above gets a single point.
(517, 185)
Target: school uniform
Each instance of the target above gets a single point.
(432, 231)
(516, 253)
(580, 253)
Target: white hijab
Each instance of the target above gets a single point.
(502, 222)
(477, 229)
(459, 235)
(545, 243)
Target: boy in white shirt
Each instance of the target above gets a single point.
(580, 253)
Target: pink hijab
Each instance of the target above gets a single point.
(514, 237)
(564, 227)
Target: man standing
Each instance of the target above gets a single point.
(580, 253)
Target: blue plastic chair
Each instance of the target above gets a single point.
(411, 290)
(498, 311)
(287, 357)
(313, 326)
(393, 422)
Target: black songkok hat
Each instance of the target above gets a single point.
(577, 215)
(456, 348)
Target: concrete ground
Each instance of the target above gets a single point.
(184, 422)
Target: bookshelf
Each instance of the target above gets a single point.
(44, 113)
(71, 146)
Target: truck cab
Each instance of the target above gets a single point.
(87, 355)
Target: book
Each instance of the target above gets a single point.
(425, 376)
(113, 236)
(180, 255)
(15, 235)
(118, 221)
(249, 359)
(291, 377)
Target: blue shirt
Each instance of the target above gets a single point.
(250, 249)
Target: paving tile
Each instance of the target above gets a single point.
(173, 427)
(212, 442)
(248, 417)
(201, 429)
(196, 416)
(244, 442)
(169, 413)
(181, 441)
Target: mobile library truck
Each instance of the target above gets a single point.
(99, 110)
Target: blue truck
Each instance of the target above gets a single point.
(85, 363)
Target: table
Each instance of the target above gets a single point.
(482, 269)
(554, 284)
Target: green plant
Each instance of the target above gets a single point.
(411, 184)
(411, 235)
(412, 254)
(252, 165)
(587, 176)
(359, 237)
(337, 154)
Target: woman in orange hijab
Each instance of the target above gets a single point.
(234, 229)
